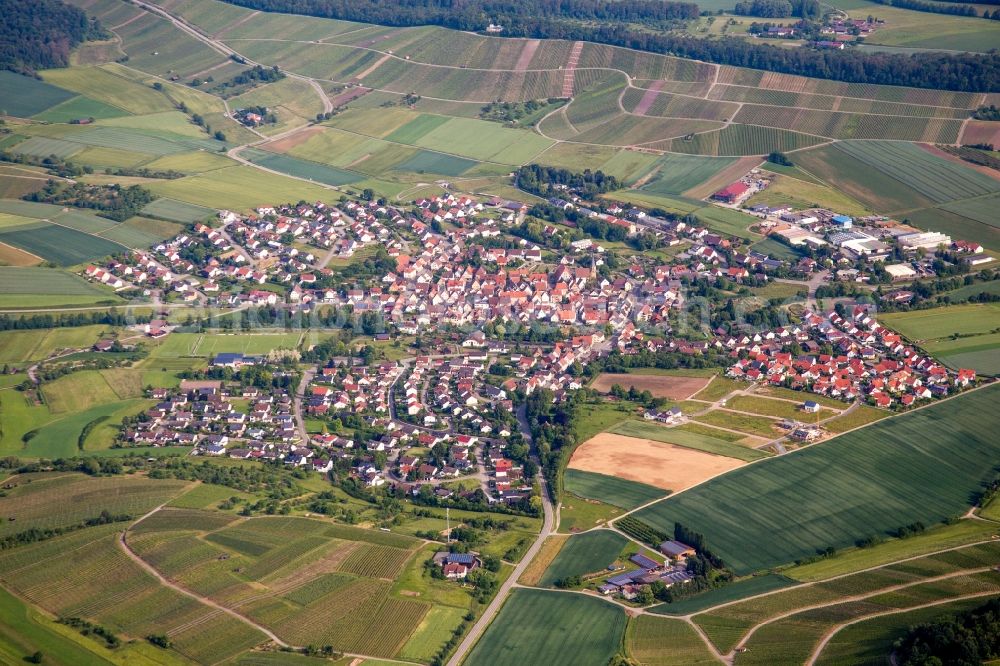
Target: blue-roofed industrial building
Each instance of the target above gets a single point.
(645, 562)
(843, 221)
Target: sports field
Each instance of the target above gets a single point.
(535, 626)
(923, 466)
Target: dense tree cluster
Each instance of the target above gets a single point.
(111, 201)
(513, 112)
(965, 639)
(808, 9)
(973, 72)
(252, 77)
(478, 14)
(990, 112)
(780, 159)
(38, 34)
(547, 181)
(932, 7)
(112, 317)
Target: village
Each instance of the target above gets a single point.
(527, 308)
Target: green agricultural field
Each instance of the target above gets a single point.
(86, 574)
(608, 489)
(61, 437)
(802, 194)
(293, 166)
(107, 86)
(535, 626)
(478, 139)
(936, 323)
(918, 466)
(675, 174)
(687, 439)
(31, 286)
(177, 211)
(60, 245)
(24, 96)
(426, 161)
(719, 388)
(742, 589)
(77, 391)
(940, 179)
(79, 107)
(936, 538)
(53, 501)
(861, 415)
(142, 232)
(25, 630)
(871, 641)
(239, 188)
(661, 641)
(981, 209)
(585, 553)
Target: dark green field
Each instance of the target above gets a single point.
(925, 466)
(60, 245)
(584, 553)
(446, 165)
(721, 595)
(552, 628)
(321, 173)
(23, 96)
(610, 490)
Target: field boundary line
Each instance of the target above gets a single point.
(123, 544)
(812, 583)
(859, 597)
(897, 611)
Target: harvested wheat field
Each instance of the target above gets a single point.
(658, 464)
(661, 386)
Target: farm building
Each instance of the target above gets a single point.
(733, 194)
(646, 563)
(676, 550)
